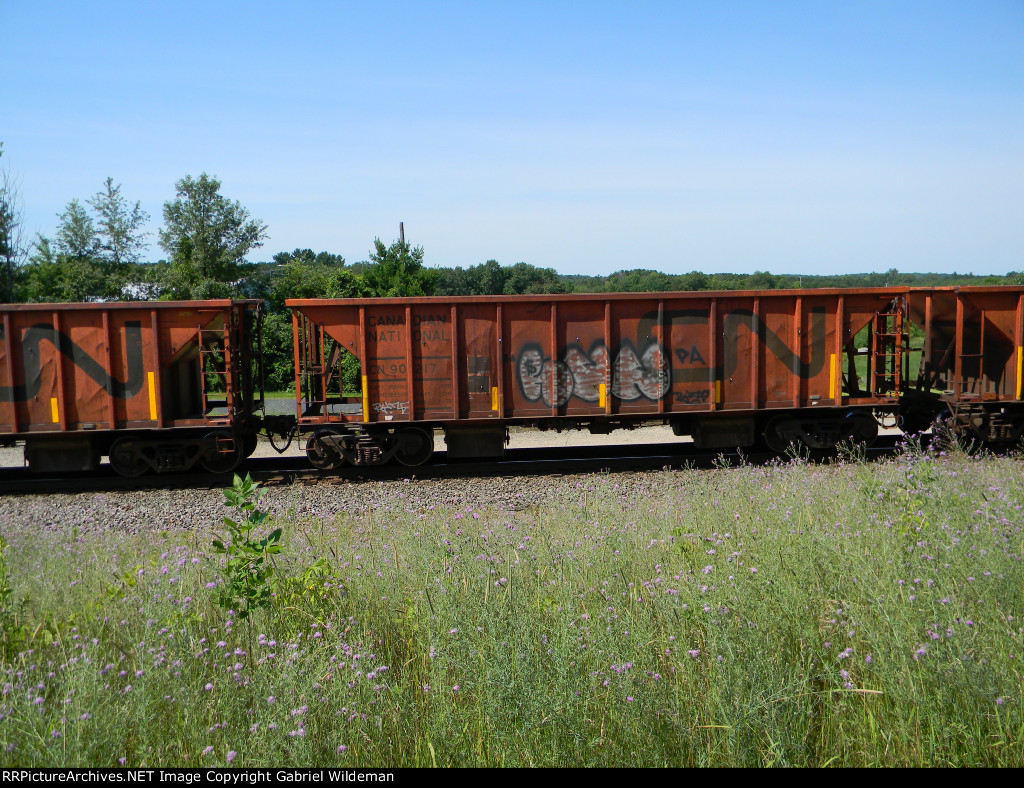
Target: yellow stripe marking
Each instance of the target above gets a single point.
(494, 397)
(602, 394)
(718, 392)
(54, 410)
(1020, 370)
(832, 376)
(152, 395)
(366, 400)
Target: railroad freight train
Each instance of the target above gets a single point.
(165, 386)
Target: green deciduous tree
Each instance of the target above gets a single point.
(303, 274)
(492, 278)
(207, 237)
(761, 280)
(398, 270)
(66, 268)
(695, 280)
(484, 279)
(300, 274)
(119, 224)
(89, 257)
(55, 276)
(523, 278)
(11, 248)
(76, 234)
(309, 257)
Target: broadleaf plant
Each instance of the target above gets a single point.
(247, 570)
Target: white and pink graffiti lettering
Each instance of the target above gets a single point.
(535, 373)
(588, 371)
(647, 376)
(580, 374)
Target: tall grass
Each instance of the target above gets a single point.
(845, 615)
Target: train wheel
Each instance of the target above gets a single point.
(249, 443)
(226, 455)
(320, 454)
(414, 445)
(860, 427)
(125, 460)
(773, 437)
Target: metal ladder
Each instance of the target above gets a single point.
(215, 361)
(889, 342)
(311, 367)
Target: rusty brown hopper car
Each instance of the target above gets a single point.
(155, 386)
(972, 360)
(375, 377)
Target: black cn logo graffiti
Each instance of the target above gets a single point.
(731, 324)
(32, 359)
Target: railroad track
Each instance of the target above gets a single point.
(548, 461)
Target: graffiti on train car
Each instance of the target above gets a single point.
(693, 397)
(697, 371)
(580, 373)
(31, 354)
(649, 374)
(391, 407)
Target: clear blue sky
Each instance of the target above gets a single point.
(794, 137)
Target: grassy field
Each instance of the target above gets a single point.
(844, 615)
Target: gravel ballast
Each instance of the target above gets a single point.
(202, 510)
(155, 510)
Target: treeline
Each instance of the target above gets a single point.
(96, 254)
(647, 281)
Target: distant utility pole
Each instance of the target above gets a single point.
(401, 232)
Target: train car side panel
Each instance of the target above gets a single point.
(641, 371)
(587, 359)
(8, 402)
(690, 350)
(535, 383)
(432, 362)
(387, 363)
(478, 359)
